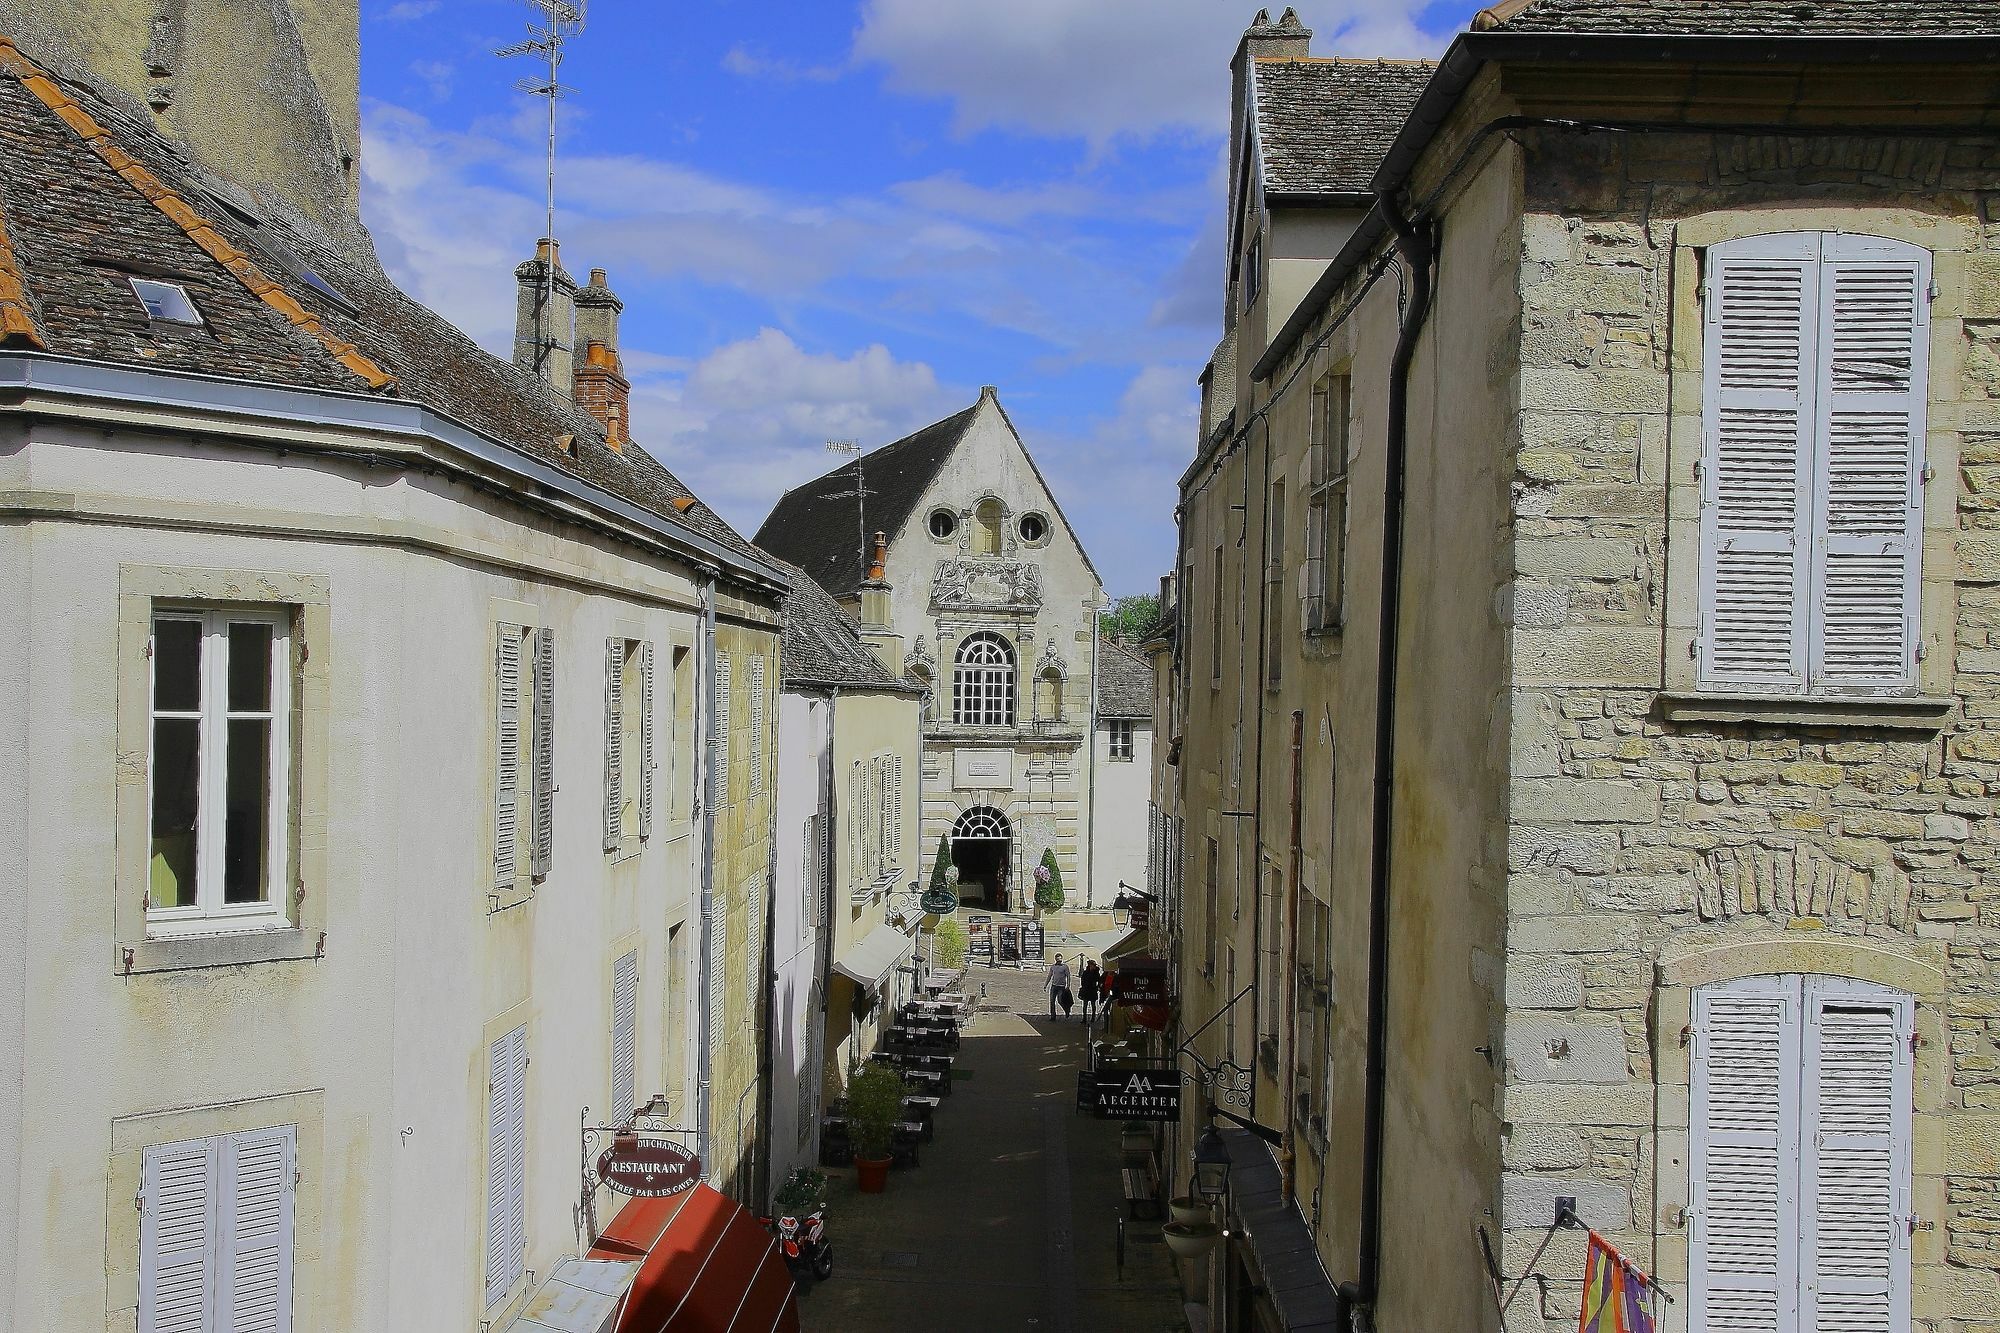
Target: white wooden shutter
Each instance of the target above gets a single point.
(856, 838)
(545, 751)
(1872, 390)
(815, 871)
(1855, 1192)
(719, 796)
(809, 1071)
(176, 1258)
(258, 1170)
(624, 1036)
(1743, 1138)
(754, 982)
(646, 757)
(756, 727)
(506, 1163)
(1760, 319)
(614, 748)
(892, 823)
(718, 951)
(507, 757)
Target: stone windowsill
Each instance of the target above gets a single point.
(175, 953)
(1925, 712)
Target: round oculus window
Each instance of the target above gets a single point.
(1033, 528)
(943, 524)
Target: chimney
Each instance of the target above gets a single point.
(1287, 37)
(544, 345)
(876, 614)
(601, 388)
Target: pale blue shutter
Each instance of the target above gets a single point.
(258, 1172)
(1743, 1260)
(1760, 313)
(176, 1257)
(1873, 376)
(507, 757)
(625, 1036)
(614, 748)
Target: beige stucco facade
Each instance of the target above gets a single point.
(1580, 838)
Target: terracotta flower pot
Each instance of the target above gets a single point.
(871, 1174)
(1191, 1240)
(1190, 1208)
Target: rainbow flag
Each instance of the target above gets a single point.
(1617, 1298)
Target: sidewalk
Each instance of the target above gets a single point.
(1011, 1221)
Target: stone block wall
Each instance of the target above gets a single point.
(1637, 841)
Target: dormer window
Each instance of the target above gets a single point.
(165, 301)
(1253, 271)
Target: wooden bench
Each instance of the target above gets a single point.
(1142, 1190)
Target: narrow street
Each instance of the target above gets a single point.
(1011, 1221)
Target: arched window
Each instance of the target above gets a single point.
(982, 686)
(1048, 695)
(986, 522)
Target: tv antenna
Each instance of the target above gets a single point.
(860, 492)
(561, 20)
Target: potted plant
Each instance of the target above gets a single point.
(874, 1105)
(1191, 1240)
(1190, 1208)
(1048, 884)
(802, 1194)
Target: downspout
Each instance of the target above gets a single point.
(704, 1071)
(762, 1021)
(1258, 688)
(1288, 971)
(1414, 241)
(1090, 779)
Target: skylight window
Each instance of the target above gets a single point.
(325, 288)
(166, 301)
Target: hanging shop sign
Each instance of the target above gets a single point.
(1143, 981)
(1136, 1094)
(940, 902)
(648, 1168)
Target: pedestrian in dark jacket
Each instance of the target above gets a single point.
(1089, 984)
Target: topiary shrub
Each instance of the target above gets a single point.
(940, 878)
(1048, 883)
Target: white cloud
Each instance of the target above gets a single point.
(437, 75)
(742, 61)
(1100, 70)
(409, 11)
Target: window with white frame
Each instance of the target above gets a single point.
(1799, 1155)
(1326, 505)
(524, 756)
(215, 1232)
(982, 687)
(219, 768)
(1120, 729)
(1814, 382)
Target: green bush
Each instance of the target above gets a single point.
(803, 1190)
(874, 1105)
(948, 944)
(1049, 896)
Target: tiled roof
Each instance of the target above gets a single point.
(815, 526)
(823, 647)
(1747, 18)
(1323, 125)
(92, 197)
(1124, 682)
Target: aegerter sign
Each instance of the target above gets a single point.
(1137, 1094)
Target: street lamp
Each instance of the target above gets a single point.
(1211, 1165)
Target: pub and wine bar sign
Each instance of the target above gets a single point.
(1136, 1094)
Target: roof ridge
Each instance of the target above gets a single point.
(1374, 61)
(17, 316)
(42, 86)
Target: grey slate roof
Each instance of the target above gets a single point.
(1124, 682)
(1749, 18)
(79, 231)
(1323, 125)
(815, 526)
(821, 645)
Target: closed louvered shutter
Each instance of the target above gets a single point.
(756, 727)
(506, 1163)
(1872, 390)
(646, 756)
(1744, 1137)
(507, 758)
(892, 814)
(624, 1036)
(809, 1071)
(716, 923)
(754, 980)
(1855, 1194)
(1760, 316)
(257, 1173)
(719, 778)
(545, 751)
(614, 758)
(814, 864)
(176, 1268)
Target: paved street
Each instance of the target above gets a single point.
(1011, 1221)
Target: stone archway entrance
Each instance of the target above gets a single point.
(982, 847)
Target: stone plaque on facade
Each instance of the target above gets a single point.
(987, 585)
(981, 770)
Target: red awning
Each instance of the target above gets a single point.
(709, 1267)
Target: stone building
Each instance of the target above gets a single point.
(388, 740)
(1122, 768)
(1586, 581)
(988, 601)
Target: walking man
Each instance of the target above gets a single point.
(1088, 985)
(1057, 984)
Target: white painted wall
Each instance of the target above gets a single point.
(1124, 791)
(805, 738)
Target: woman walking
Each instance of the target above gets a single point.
(1088, 985)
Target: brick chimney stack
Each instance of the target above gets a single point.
(601, 388)
(877, 610)
(544, 345)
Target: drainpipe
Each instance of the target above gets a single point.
(1090, 774)
(704, 1060)
(762, 1024)
(1288, 971)
(1415, 242)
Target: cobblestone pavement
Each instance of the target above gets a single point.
(1011, 1220)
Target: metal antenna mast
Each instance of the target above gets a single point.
(860, 492)
(562, 20)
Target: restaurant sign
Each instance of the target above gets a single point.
(1143, 981)
(647, 1168)
(1137, 1094)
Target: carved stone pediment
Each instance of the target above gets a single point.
(987, 585)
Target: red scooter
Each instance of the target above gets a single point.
(802, 1240)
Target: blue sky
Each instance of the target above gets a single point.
(838, 220)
